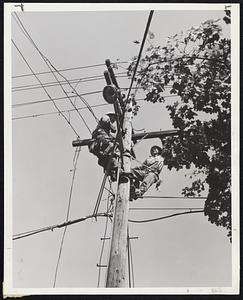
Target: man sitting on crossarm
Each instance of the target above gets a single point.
(147, 174)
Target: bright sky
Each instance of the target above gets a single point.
(184, 251)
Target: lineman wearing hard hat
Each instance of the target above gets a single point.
(103, 143)
(148, 173)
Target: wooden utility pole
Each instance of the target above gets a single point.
(117, 264)
(116, 273)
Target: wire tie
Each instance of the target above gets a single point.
(101, 266)
(133, 238)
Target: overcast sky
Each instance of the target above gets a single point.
(184, 251)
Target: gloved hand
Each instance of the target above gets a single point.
(157, 185)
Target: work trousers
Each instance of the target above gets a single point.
(104, 152)
(146, 178)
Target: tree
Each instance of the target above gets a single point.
(196, 66)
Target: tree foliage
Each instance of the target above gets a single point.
(196, 66)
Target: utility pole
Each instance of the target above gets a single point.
(117, 264)
(116, 273)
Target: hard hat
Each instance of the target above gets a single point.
(156, 147)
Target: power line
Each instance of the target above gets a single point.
(52, 227)
(76, 156)
(166, 217)
(140, 51)
(55, 113)
(128, 258)
(47, 62)
(132, 266)
(50, 98)
(164, 208)
(54, 83)
(63, 98)
(55, 99)
(69, 69)
(85, 123)
(103, 241)
(173, 197)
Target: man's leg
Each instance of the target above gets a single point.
(148, 180)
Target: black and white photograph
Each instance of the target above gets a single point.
(121, 136)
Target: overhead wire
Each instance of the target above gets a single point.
(166, 217)
(57, 226)
(69, 69)
(128, 258)
(140, 51)
(50, 98)
(174, 197)
(164, 208)
(52, 227)
(132, 265)
(76, 156)
(103, 241)
(63, 98)
(48, 63)
(63, 82)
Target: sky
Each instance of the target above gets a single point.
(179, 252)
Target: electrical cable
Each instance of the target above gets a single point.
(76, 155)
(62, 98)
(82, 118)
(166, 217)
(76, 93)
(128, 258)
(51, 228)
(174, 197)
(69, 69)
(140, 51)
(47, 62)
(132, 266)
(50, 98)
(48, 228)
(164, 208)
(63, 111)
(63, 82)
(103, 241)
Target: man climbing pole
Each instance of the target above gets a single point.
(103, 144)
(144, 176)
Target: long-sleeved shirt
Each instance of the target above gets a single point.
(153, 164)
(104, 128)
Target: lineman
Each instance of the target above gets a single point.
(147, 174)
(103, 144)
